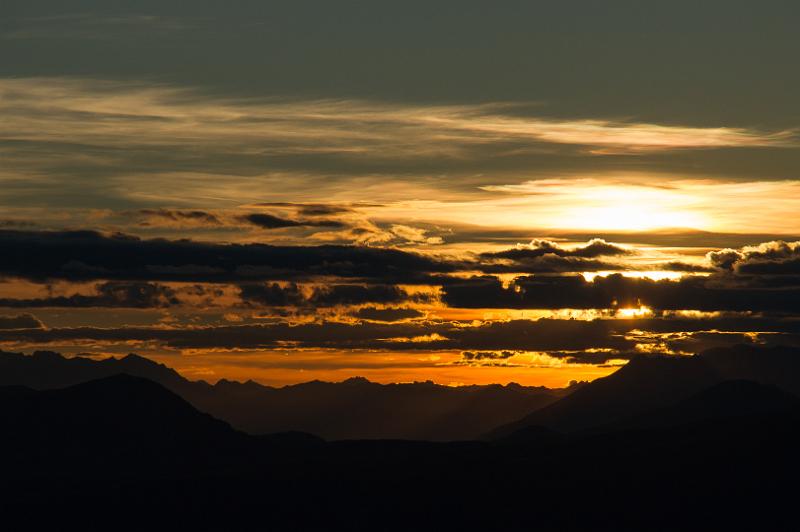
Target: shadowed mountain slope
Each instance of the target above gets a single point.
(130, 421)
(352, 409)
(642, 384)
(778, 366)
(126, 451)
(724, 401)
(649, 383)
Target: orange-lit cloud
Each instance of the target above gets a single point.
(635, 203)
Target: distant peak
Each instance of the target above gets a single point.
(145, 367)
(47, 355)
(357, 380)
(132, 359)
(134, 356)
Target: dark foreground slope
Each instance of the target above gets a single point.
(355, 408)
(724, 401)
(651, 382)
(126, 422)
(126, 454)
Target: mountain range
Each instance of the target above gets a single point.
(359, 409)
(352, 409)
(675, 444)
(654, 382)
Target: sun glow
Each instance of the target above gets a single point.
(635, 312)
(655, 275)
(631, 208)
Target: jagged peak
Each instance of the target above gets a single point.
(134, 356)
(150, 368)
(47, 355)
(139, 360)
(357, 380)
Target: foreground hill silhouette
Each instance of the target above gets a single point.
(647, 383)
(125, 453)
(124, 421)
(724, 401)
(355, 408)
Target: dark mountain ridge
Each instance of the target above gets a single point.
(128, 421)
(127, 451)
(359, 409)
(352, 409)
(727, 400)
(651, 382)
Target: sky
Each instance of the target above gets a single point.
(464, 192)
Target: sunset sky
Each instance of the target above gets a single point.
(464, 192)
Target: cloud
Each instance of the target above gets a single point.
(617, 291)
(228, 218)
(679, 266)
(268, 221)
(180, 217)
(332, 295)
(291, 294)
(592, 342)
(320, 209)
(87, 255)
(769, 258)
(630, 201)
(22, 321)
(522, 335)
(543, 256)
(136, 113)
(146, 143)
(272, 294)
(414, 235)
(387, 314)
(111, 294)
(550, 264)
(487, 355)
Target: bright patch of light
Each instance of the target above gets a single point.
(631, 208)
(656, 275)
(635, 312)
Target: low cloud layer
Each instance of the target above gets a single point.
(87, 255)
(369, 300)
(618, 292)
(22, 321)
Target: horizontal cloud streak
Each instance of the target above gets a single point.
(118, 114)
(87, 255)
(589, 341)
(619, 292)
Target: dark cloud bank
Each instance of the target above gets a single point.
(765, 278)
(719, 293)
(755, 289)
(89, 255)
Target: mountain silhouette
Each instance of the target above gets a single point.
(128, 421)
(652, 382)
(644, 383)
(359, 409)
(723, 401)
(353, 409)
(127, 451)
(778, 366)
(47, 369)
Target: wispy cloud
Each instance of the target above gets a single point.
(85, 142)
(90, 26)
(618, 202)
(116, 114)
